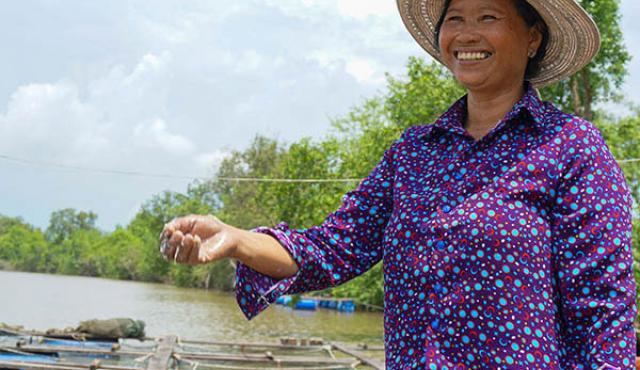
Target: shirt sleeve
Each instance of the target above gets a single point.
(347, 244)
(592, 256)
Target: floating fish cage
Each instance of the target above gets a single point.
(32, 350)
(312, 303)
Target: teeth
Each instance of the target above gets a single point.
(465, 55)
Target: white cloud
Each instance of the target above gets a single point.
(364, 71)
(362, 9)
(248, 61)
(210, 160)
(354, 9)
(156, 135)
(115, 121)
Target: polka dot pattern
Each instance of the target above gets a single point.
(511, 252)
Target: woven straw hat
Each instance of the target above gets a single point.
(573, 36)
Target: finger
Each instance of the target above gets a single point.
(168, 251)
(195, 243)
(184, 224)
(164, 248)
(176, 238)
(182, 255)
(167, 230)
(176, 244)
(169, 245)
(189, 245)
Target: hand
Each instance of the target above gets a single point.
(197, 239)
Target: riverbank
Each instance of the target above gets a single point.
(5, 266)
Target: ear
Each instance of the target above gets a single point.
(535, 37)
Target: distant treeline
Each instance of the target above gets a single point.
(72, 244)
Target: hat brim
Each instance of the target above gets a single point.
(574, 38)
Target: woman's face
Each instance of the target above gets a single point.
(486, 43)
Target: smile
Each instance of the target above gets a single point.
(472, 56)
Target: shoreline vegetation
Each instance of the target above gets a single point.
(73, 245)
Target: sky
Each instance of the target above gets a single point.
(172, 86)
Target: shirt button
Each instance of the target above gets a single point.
(446, 209)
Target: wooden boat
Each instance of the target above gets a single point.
(28, 350)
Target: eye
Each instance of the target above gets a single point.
(488, 17)
(454, 18)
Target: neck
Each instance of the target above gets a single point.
(486, 109)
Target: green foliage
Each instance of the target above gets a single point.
(65, 222)
(75, 255)
(7, 222)
(247, 204)
(600, 80)
(427, 92)
(307, 204)
(23, 247)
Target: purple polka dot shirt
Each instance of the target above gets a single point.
(510, 252)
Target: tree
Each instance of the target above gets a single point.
(119, 255)
(23, 247)
(599, 80)
(307, 204)
(63, 223)
(247, 204)
(7, 222)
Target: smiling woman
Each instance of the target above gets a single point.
(504, 226)
(487, 46)
(532, 19)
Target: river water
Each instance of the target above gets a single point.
(39, 301)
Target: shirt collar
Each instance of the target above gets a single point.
(452, 119)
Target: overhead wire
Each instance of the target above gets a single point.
(190, 177)
(165, 175)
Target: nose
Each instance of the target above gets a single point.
(468, 33)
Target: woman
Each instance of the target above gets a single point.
(504, 226)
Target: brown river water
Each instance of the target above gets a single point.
(39, 301)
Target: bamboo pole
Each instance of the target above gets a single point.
(59, 366)
(67, 349)
(161, 358)
(267, 358)
(366, 347)
(367, 361)
(246, 344)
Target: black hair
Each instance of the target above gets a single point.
(531, 17)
